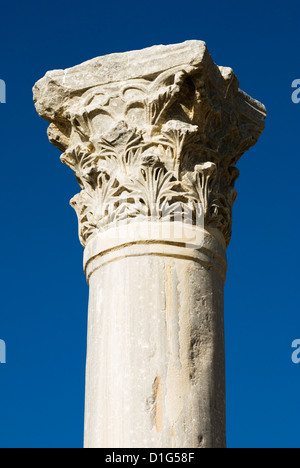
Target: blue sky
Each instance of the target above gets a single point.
(43, 293)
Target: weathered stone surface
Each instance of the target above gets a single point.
(155, 359)
(167, 108)
(152, 135)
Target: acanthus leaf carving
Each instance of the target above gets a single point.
(154, 142)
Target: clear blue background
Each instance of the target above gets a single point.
(43, 293)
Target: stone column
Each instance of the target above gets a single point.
(153, 137)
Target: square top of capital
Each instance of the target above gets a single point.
(61, 88)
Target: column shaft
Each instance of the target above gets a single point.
(155, 361)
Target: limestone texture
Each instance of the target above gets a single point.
(153, 137)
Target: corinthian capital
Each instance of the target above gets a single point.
(148, 132)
